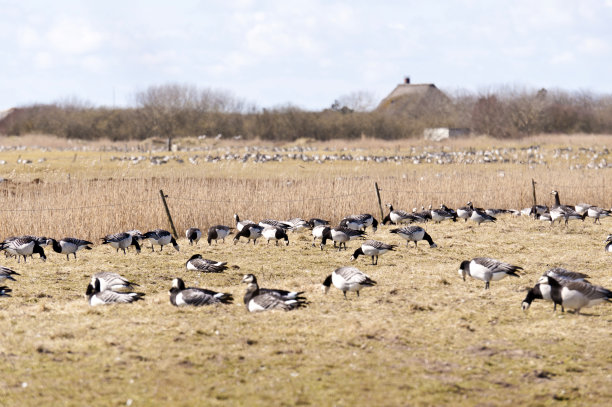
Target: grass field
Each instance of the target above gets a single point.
(422, 336)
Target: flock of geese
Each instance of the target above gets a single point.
(563, 287)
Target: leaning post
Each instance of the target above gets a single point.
(163, 197)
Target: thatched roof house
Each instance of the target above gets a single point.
(413, 99)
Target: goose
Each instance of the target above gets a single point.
(397, 216)
(218, 232)
(597, 213)
(561, 273)
(581, 208)
(275, 223)
(250, 231)
(466, 211)
(438, 215)
(257, 301)
(241, 223)
(112, 281)
(542, 291)
(281, 294)
(298, 224)
(314, 222)
(496, 211)
(574, 294)
(97, 297)
(487, 269)
(414, 234)
(181, 295)
(423, 215)
(480, 217)
(318, 232)
(608, 247)
(162, 238)
(360, 222)
(545, 217)
(559, 211)
(197, 263)
(340, 235)
(23, 246)
(275, 233)
(373, 248)
(7, 274)
(69, 245)
(5, 291)
(136, 235)
(121, 241)
(194, 235)
(348, 279)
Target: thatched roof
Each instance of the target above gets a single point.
(407, 97)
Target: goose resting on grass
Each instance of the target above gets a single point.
(181, 295)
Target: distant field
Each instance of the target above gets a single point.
(422, 336)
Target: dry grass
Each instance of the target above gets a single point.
(421, 337)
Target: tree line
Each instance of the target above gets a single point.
(185, 111)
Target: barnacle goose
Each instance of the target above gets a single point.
(23, 246)
(542, 291)
(318, 232)
(275, 233)
(348, 279)
(581, 208)
(121, 241)
(360, 222)
(487, 269)
(112, 281)
(218, 232)
(597, 213)
(194, 235)
(480, 217)
(609, 245)
(97, 297)
(181, 295)
(574, 294)
(241, 223)
(257, 301)
(545, 217)
(438, 215)
(281, 294)
(250, 231)
(414, 234)
(466, 211)
(559, 211)
(314, 222)
(276, 223)
(298, 224)
(397, 216)
(136, 235)
(340, 235)
(162, 238)
(197, 263)
(7, 274)
(496, 211)
(373, 248)
(4, 291)
(69, 245)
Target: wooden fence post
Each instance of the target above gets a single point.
(382, 216)
(163, 197)
(533, 184)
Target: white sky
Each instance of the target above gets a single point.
(306, 53)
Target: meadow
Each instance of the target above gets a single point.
(422, 336)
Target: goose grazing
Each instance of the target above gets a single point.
(218, 232)
(97, 297)
(373, 248)
(160, 237)
(275, 233)
(275, 223)
(256, 300)
(121, 241)
(397, 216)
(340, 235)
(559, 273)
(194, 235)
(197, 297)
(466, 211)
(241, 223)
(197, 263)
(318, 232)
(23, 246)
(608, 247)
(438, 215)
(112, 281)
(566, 212)
(360, 222)
(250, 231)
(298, 224)
(542, 291)
(348, 279)
(574, 294)
(7, 274)
(414, 234)
(69, 245)
(480, 217)
(314, 222)
(136, 235)
(281, 294)
(487, 270)
(597, 213)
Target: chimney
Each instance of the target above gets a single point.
(407, 80)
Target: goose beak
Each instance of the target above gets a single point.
(525, 306)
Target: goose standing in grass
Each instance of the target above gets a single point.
(23, 246)
(480, 217)
(466, 211)
(397, 216)
(542, 291)
(197, 297)
(7, 274)
(581, 208)
(275, 223)
(360, 222)
(241, 223)
(318, 232)
(487, 269)
(97, 297)
(136, 236)
(608, 247)
(574, 294)
(373, 248)
(340, 235)
(193, 235)
(197, 263)
(256, 300)
(121, 241)
(275, 233)
(279, 293)
(160, 237)
(218, 232)
(597, 213)
(348, 279)
(5, 291)
(112, 281)
(69, 245)
(314, 222)
(298, 224)
(566, 212)
(414, 234)
(438, 215)
(250, 231)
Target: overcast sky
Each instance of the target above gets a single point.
(305, 53)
